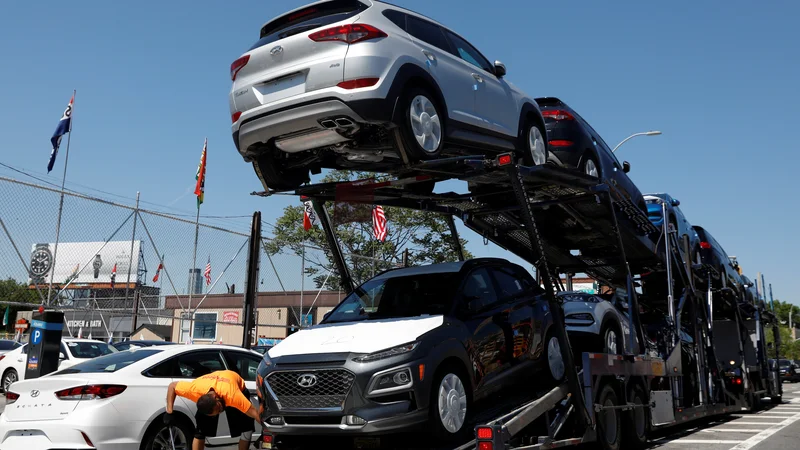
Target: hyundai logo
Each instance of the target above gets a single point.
(34, 393)
(307, 380)
(275, 50)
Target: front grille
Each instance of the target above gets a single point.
(329, 391)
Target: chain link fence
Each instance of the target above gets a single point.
(121, 271)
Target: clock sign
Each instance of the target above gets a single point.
(41, 261)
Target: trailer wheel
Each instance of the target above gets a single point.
(556, 368)
(609, 423)
(636, 434)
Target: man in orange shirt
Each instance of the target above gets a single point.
(214, 393)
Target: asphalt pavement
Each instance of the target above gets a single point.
(775, 427)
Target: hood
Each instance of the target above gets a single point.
(367, 336)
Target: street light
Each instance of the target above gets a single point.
(646, 133)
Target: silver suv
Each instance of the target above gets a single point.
(363, 85)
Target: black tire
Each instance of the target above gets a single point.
(611, 327)
(437, 426)
(9, 377)
(417, 97)
(636, 434)
(274, 176)
(524, 149)
(157, 435)
(609, 421)
(585, 162)
(553, 372)
(777, 400)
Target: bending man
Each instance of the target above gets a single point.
(214, 393)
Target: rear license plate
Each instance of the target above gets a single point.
(282, 88)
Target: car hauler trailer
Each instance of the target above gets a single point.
(564, 222)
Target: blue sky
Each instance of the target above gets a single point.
(718, 78)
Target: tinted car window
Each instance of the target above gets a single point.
(508, 284)
(244, 364)
(9, 345)
(109, 363)
(89, 349)
(427, 32)
(306, 19)
(468, 53)
(122, 346)
(478, 290)
(188, 365)
(397, 296)
(396, 17)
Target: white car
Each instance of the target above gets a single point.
(73, 351)
(117, 401)
(326, 86)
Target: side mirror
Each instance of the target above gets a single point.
(676, 202)
(499, 69)
(326, 315)
(61, 355)
(626, 166)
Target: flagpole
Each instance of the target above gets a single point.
(61, 201)
(192, 283)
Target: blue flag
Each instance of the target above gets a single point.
(64, 127)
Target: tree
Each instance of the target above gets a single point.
(14, 292)
(425, 235)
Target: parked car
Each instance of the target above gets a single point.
(597, 323)
(413, 346)
(73, 351)
(127, 345)
(116, 401)
(6, 345)
(712, 253)
(788, 370)
(326, 84)
(677, 219)
(573, 143)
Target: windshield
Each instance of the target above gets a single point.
(397, 296)
(89, 349)
(109, 363)
(785, 363)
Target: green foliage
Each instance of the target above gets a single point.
(425, 235)
(12, 291)
(789, 347)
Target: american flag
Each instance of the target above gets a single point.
(207, 272)
(379, 223)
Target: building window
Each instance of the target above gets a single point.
(185, 328)
(205, 326)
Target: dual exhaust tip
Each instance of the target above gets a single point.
(338, 122)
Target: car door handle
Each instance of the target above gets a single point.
(431, 57)
(477, 77)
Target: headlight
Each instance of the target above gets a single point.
(390, 381)
(383, 354)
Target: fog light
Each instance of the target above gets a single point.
(275, 420)
(354, 420)
(733, 363)
(401, 378)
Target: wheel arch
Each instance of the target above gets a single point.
(409, 75)
(180, 416)
(531, 110)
